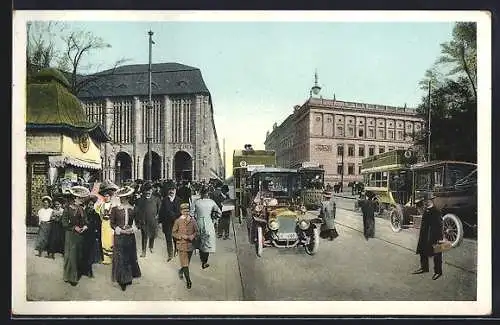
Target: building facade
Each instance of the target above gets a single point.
(180, 123)
(338, 135)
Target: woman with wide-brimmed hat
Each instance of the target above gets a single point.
(56, 236)
(107, 190)
(44, 225)
(73, 221)
(125, 266)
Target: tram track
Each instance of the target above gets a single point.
(399, 245)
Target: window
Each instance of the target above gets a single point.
(339, 169)
(359, 169)
(391, 149)
(360, 133)
(340, 150)
(371, 151)
(400, 135)
(391, 134)
(381, 149)
(381, 134)
(340, 131)
(370, 133)
(401, 148)
(350, 151)
(350, 131)
(350, 169)
(361, 151)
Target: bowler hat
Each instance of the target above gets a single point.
(169, 185)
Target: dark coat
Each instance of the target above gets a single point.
(431, 231)
(368, 210)
(169, 212)
(146, 211)
(184, 194)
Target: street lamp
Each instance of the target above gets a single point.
(342, 171)
(149, 107)
(119, 172)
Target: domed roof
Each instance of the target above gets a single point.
(50, 104)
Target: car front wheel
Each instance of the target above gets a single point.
(453, 230)
(313, 245)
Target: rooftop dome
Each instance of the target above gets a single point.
(51, 74)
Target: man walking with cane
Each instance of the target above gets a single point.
(147, 210)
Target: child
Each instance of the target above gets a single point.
(185, 231)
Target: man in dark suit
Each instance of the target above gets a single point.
(431, 233)
(170, 210)
(147, 210)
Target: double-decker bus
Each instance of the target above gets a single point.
(245, 161)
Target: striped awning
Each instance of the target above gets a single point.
(63, 161)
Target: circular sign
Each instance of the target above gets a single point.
(243, 163)
(84, 143)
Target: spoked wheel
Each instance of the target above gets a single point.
(396, 220)
(259, 244)
(453, 229)
(312, 247)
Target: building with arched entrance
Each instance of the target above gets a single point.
(184, 142)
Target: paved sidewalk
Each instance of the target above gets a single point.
(159, 281)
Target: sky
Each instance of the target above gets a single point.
(257, 72)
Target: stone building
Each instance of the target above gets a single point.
(184, 143)
(339, 134)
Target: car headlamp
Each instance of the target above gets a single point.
(274, 225)
(304, 224)
(258, 208)
(303, 209)
(273, 202)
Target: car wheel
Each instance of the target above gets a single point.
(396, 218)
(312, 247)
(453, 229)
(259, 244)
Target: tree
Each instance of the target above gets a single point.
(461, 52)
(41, 49)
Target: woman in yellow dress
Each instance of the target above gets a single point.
(107, 190)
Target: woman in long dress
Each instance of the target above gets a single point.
(125, 265)
(56, 236)
(104, 210)
(204, 211)
(44, 222)
(185, 231)
(93, 236)
(74, 223)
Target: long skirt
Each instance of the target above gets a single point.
(125, 265)
(72, 256)
(88, 247)
(42, 240)
(369, 226)
(56, 238)
(107, 242)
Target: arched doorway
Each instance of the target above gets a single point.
(155, 166)
(123, 167)
(183, 166)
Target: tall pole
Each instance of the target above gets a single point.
(149, 107)
(224, 157)
(342, 173)
(429, 125)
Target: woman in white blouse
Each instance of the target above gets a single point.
(44, 218)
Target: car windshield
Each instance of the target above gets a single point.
(277, 184)
(469, 179)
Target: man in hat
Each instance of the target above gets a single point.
(431, 233)
(368, 210)
(147, 210)
(327, 214)
(170, 210)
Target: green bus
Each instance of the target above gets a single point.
(244, 162)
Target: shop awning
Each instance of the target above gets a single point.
(63, 161)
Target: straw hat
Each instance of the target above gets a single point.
(46, 197)
(125, 191)
(107, 186)
(79, 191)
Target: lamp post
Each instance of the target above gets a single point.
(342, 171)
(149, 107)
(119, 171)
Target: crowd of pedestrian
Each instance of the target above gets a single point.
(100, 227)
